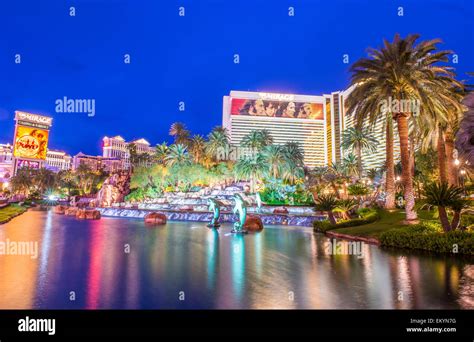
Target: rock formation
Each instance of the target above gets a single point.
(253, 223)
(114, 189)
(155, 218)
(88, 214)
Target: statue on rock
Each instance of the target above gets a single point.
(241, 209)
(214, 206)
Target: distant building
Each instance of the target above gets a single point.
(117, 147)
(96, 163)
(58, 160)
(6, 161)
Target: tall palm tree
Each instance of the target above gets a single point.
(66, 180)
(180, 133)
(401, 71)
(44, 179)
(256, 140)
(275, 158)
(293, 167)
(218, 145)
(177, 155)
(465, 135)
(251, 168)
(359, 140)
(197, 148)
(22, 182)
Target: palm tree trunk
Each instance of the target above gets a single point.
(412, 155)
(451, 168)
(443, 217)
(331, 217)
(390, 174)
(407, 178)
(456, 220)
(359, 160)
(443, 177)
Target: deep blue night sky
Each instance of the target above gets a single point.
(190, 58)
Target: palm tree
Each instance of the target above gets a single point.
(197, 148)
(44, 179)
(327, 203)
(161, 151)
(359, 140)
(251, 167)
(180, 133)
(66, 180)
(445, 196)
(345, 206)
(256, 140)
(351, 164)
(275, 158)
(218, 145)
(177, 155)
(465, 136)
(22, 182)
(403, 71)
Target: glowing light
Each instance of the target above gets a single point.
(463, 172)
(398, 178)
(456, 162)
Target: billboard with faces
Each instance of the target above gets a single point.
(278, 109)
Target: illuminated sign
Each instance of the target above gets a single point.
(30, 143)
(277, 97)
(33, 118)
(277, 109)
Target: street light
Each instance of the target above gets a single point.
(456, 162)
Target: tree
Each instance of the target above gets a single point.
(256, 140)
(351, 163)
(445, 196)
(197, 148)
(43, 179)
(218, 145)
(275, 158)
(359, 140)
(401, 71)
(293, 168)
(177, 155)
(180, 134)
(327, 203)
(22, 182)
(161, 152)
(465, 135)
(252, 168)
(66, 180)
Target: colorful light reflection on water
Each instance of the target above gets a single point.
(174, 266)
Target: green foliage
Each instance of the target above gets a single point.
(366, 216)
(429, 237)
(326, 202)
(358, 189)
(276, 192)
(442, 195)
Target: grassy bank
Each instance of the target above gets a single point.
(11, 211)
(390, 231)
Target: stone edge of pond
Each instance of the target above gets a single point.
(372, 241)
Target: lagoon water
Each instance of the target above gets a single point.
(117, 263)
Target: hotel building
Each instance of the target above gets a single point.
(96, 163)
(316, 122)
(117, 147)
(58, 160)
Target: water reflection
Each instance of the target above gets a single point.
(121, 263)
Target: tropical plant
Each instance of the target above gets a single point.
(350, 163)
(22, 182)
(345, 206)
(401, 71)
(161, 151)
(180, 134)
(256, 140)
(327, 203)
(251, 167)
(445, 196)
(218, 145)
(275, 158)
(359, 141)
(177, 155)
(197, 148)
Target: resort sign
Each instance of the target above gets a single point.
(30, 139)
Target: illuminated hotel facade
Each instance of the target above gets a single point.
(316, 122)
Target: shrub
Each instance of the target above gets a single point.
(367, 215)
(429, 237)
